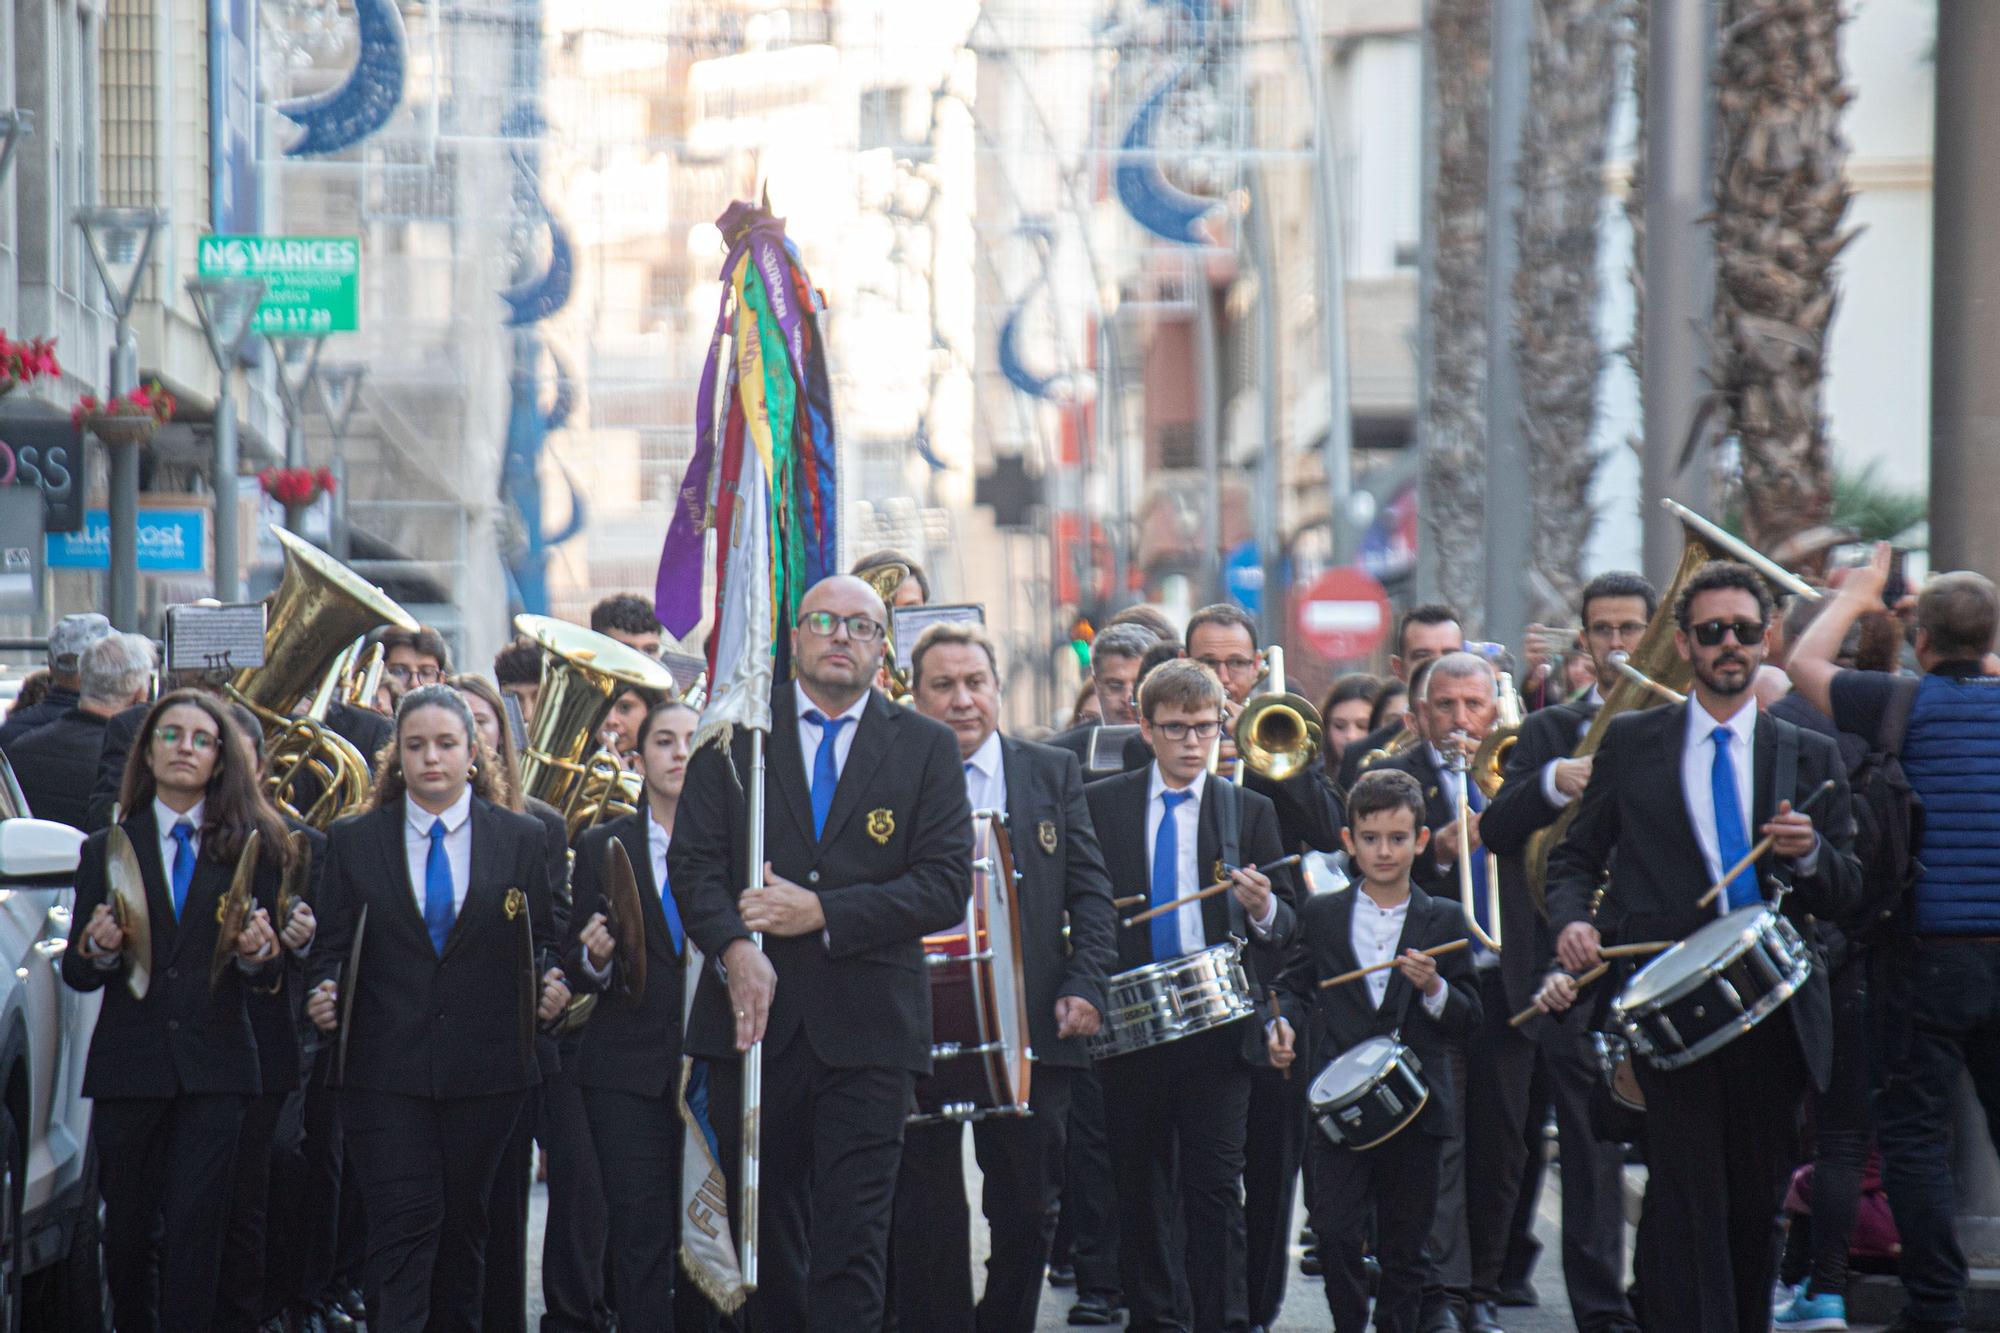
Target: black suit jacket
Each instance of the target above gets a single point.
(895, 865)
(1343, 1017)
(424, 1025)
(183, 1037)
(1351, 757)
(1634, 821)
(1518, 810)
(1062, 873)
(1118, 808)
(277, 1005)
(629, 1046)
(57, 765)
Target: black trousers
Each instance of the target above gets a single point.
(1500, 1064)
(831, 1143)
(165, 1170)
(1181, 1111)
(318, 1222)
(1721, 1140)
(1021, 1160)
(1593, 1181)
(1448, 1281)
(242, 1303)
(503, 1297)
(574, 1243)
(1518, 1268)
(426, 1166)
(1087, 1222)
(1382, 1198)
(638, 1145)
(1272, 1150)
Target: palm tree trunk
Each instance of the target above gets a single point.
(1454, 463)
(1556, 290)
(1781, 202)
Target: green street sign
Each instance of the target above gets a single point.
(311, 283)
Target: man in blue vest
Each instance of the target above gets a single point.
(1937, 974)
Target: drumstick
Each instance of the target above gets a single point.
(1359, 972)
(1756, 853)
(1275, 1016)
(1615, 951)
(1208, 892)
(1581, 982)
(1132, 900)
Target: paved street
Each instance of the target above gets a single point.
(1305, 1307)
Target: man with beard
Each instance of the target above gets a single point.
(1676, 796)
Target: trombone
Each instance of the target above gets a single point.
(1459, 759)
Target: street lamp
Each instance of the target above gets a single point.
(13, 124)
(339, 395)
(120, 241)
(225, 307)
(298, 366)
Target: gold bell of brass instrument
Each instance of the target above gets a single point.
(885, 579)
(320, 608)
(1489, 761)
(1277, 734)
(1459, 759)
(1654, 671)
(583, 673)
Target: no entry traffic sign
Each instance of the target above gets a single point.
(1344, 614)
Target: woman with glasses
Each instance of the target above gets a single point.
(172, 1069)
(438, 928)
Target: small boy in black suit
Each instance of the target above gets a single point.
(1428, 1003)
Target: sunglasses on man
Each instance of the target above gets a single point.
(1708, 633)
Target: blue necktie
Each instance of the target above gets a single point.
(667, 906)
(826, 773)
(1731, 840)
(1166, 878)
(183, 835)
(438, 908)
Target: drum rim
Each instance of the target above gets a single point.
(1766, 1005)
(1110, 1042)
(1396, 1047)
(1765, 921)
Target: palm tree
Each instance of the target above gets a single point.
(1454, 427)
(1781, 202)
(1564, 141)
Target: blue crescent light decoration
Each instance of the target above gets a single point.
(534, 299)
(362, 103)
(1154, 202)
(565, 400)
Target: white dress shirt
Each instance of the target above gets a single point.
(417, 823)
(1374, 936)
(164, 818)
(658, 839)
(1698, 781)
(1550, 793)
(809, 733)
(1187, 874)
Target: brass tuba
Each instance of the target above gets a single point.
(1277, 734)
(320, 608)
(583, 672)
(1654, 670)
(885, 579)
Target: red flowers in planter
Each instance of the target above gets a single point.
(293, 486)
(31, 360)
(148, 400)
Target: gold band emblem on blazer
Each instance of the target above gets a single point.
(513, 903)
(881, 826)
(1045, 833)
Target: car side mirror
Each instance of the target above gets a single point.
(38, 853)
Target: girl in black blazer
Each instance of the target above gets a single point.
(171, 1074)
(438, 931)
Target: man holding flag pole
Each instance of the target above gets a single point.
(809, 874)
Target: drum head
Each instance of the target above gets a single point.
(1010, 1002)
(1672, 970)
(1356, 1067)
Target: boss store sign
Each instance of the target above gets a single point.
(40, 449)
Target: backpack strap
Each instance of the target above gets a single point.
(1229, 840)
(1895, 723)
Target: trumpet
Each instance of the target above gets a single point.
(1278, 734)
(1459, 758)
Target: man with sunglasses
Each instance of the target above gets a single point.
(1676, 796)
(868, 848)
(1541, 780)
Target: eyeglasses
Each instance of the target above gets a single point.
(1604, 630)
(1234, 666)
(1180, 731)
(1709, 633)
(423, 675)
(861, 629)
(169, 738)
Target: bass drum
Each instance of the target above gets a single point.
(980, 1060)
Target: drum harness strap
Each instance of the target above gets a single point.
(1784, 786)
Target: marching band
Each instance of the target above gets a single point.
(434, 901)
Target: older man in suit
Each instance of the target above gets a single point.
(1062, 876)
(868, 848)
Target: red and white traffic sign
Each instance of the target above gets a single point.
(1344, 614)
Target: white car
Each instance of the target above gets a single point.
(51, 1274)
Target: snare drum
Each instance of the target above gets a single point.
(1614, 1065)
(1370, 1094)
(1712, 987)
(1162, 1002)
(980, 1061)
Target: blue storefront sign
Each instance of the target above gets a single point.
(171, 541)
